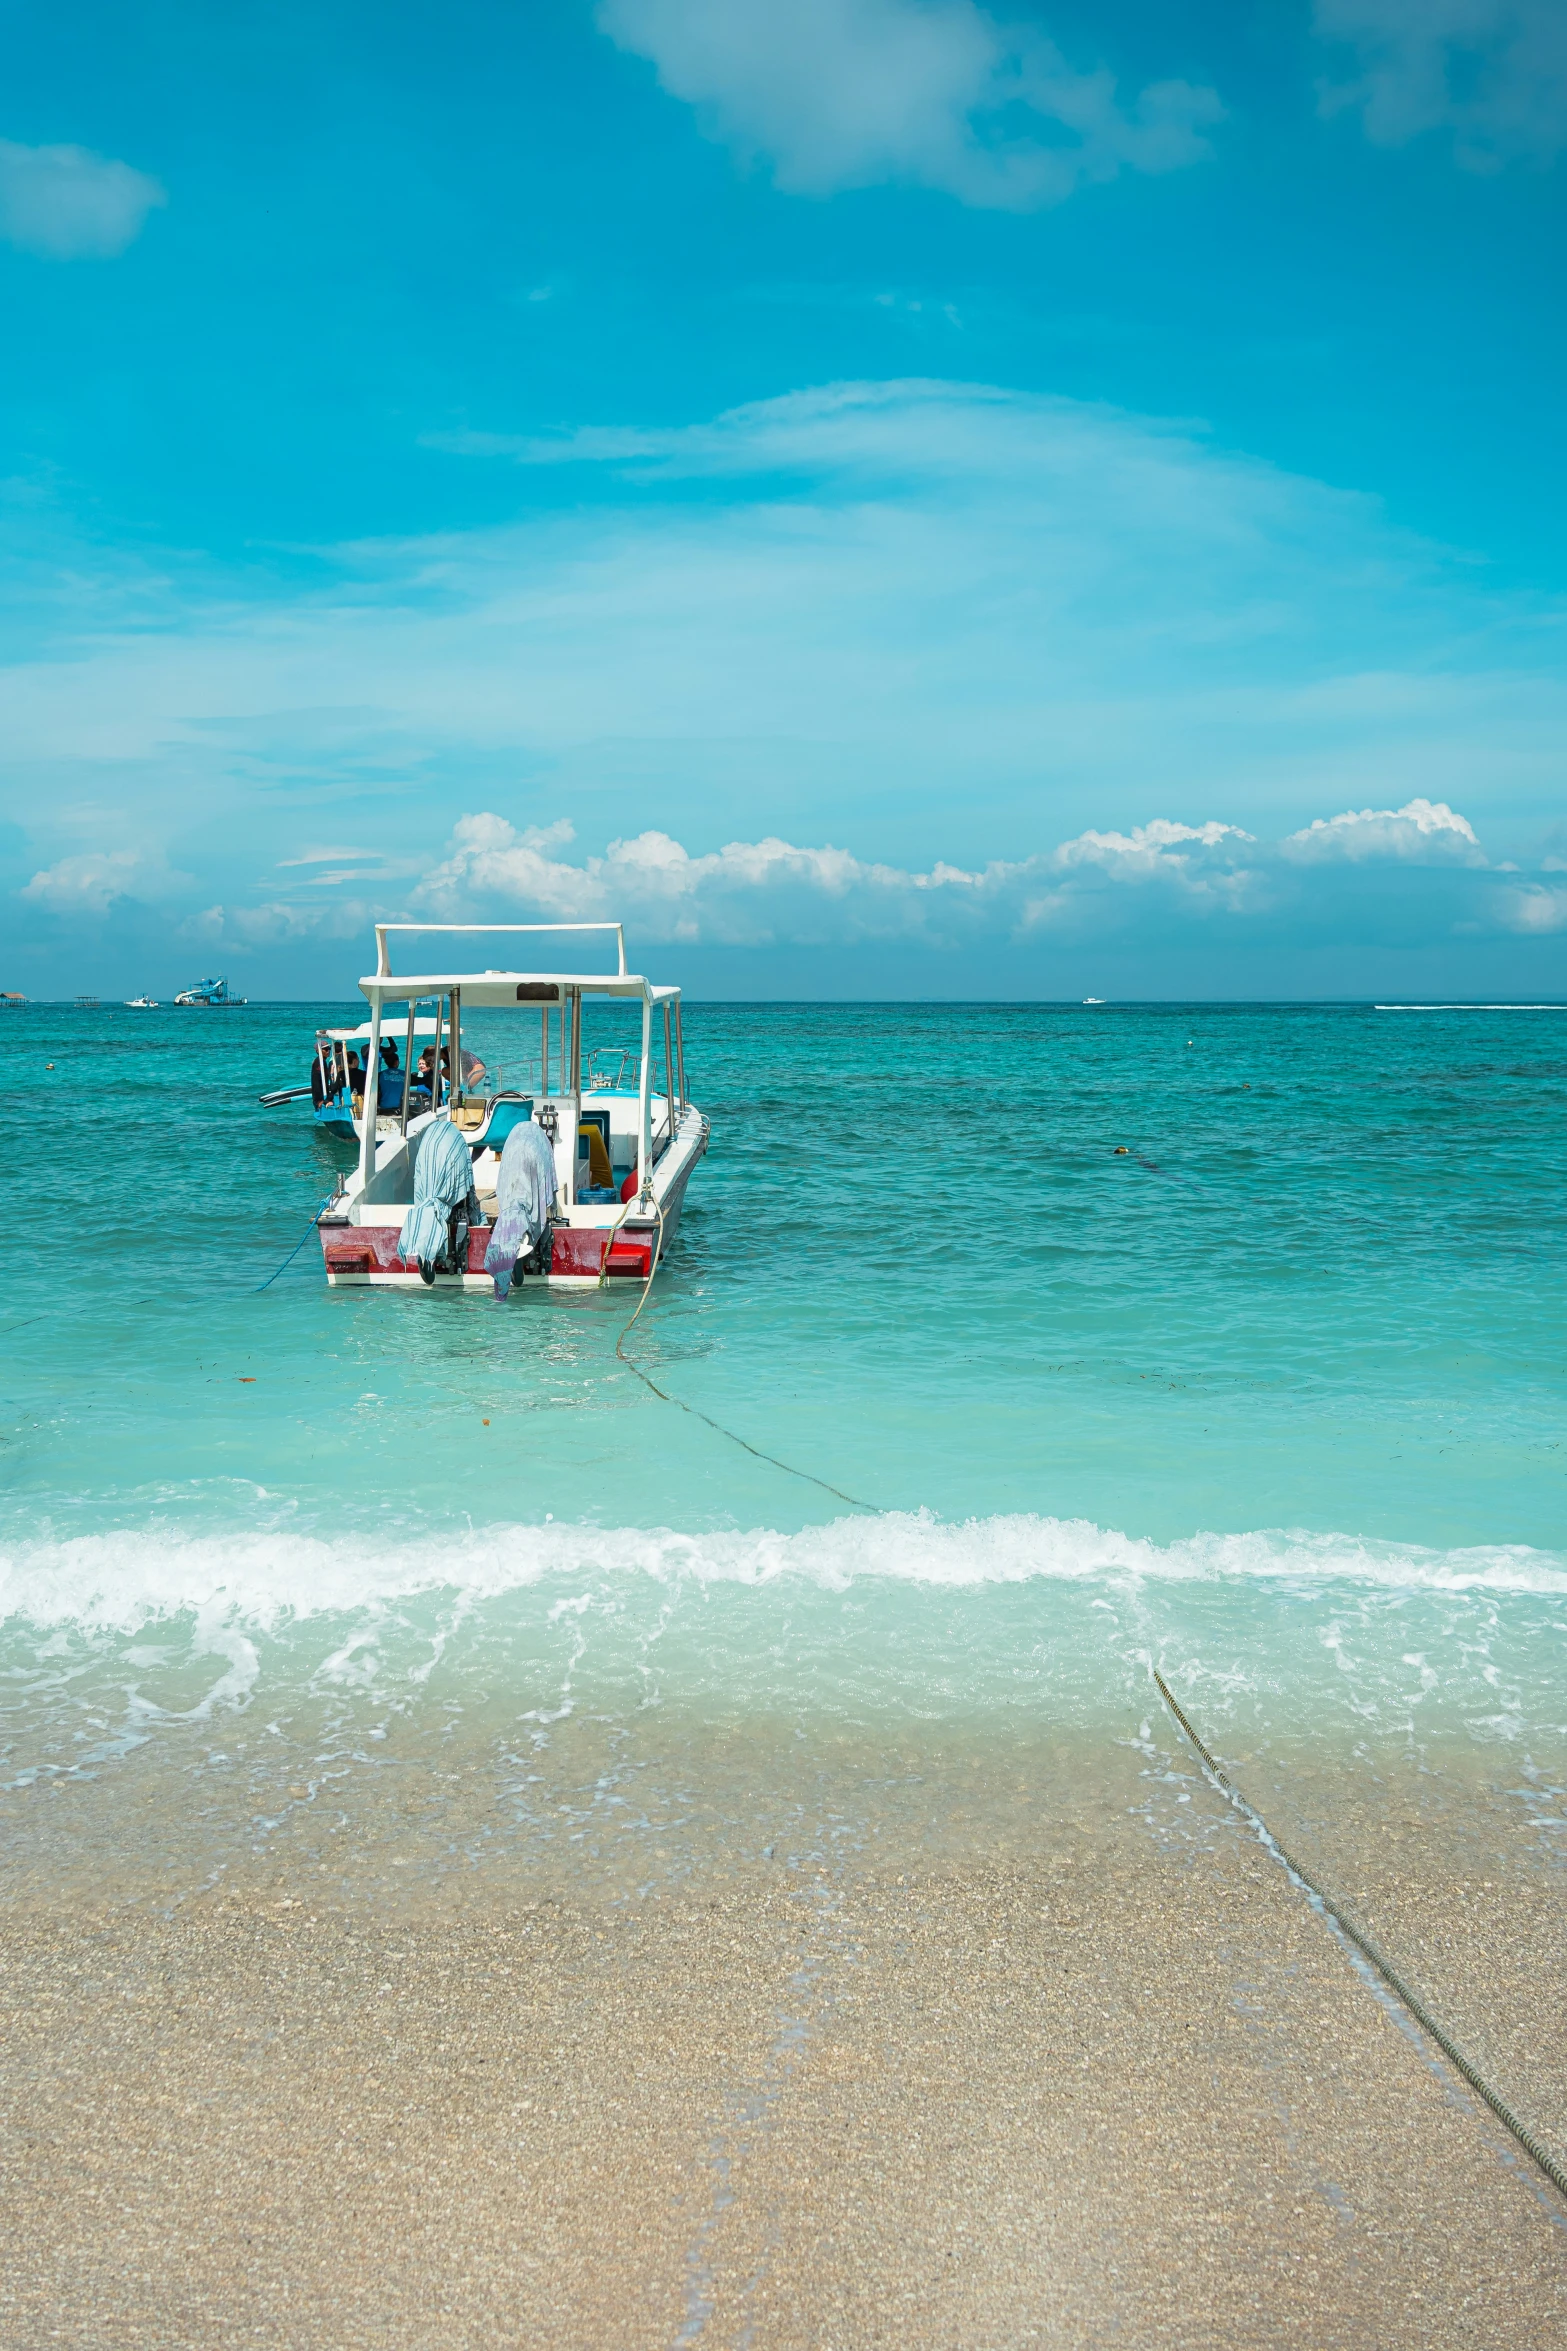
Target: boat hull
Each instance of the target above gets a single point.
(332, 1118)
(367, 1256)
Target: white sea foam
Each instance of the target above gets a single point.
(126, 1580)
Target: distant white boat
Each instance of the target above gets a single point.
(1093, 999)
(142, 1004)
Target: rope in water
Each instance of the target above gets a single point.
(321, 1208)
(663, 1394)
(1368, 1950)
(788, 1468)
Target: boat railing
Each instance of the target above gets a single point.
(613, 1069)
(608, 1069)
(511, 1076)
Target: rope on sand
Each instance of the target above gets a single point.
(648, 1381)
(1368, 1950)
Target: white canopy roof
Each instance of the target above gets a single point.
(360, 1035)
(513, 990)
(492, 989)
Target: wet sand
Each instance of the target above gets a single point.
(1124, 2087)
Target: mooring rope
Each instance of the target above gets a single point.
(1368, 1950)
(706, 1418)
(298, 1245)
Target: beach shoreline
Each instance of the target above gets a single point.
(1126, 2085)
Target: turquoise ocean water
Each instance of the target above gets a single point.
(1274, 1398)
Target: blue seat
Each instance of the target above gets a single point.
(511, 1110)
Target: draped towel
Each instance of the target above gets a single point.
(443, 1189)
(524, 1195)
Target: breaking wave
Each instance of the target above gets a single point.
(122, 1581)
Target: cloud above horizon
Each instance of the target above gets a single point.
(1427, 832)
(88, 883)
(1097, 885)
(835, 94)
(67, 204)
(842, 664)
(830, 95)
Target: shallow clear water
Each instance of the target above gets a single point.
(1275, 1398)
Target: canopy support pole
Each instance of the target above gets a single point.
(408, 1066)
(669, 1077)
(645, 1105)
(371, 1097)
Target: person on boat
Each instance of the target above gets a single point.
(389, 1084)
(435, 1230)
(421, 1080)
(524, 1197)
(473, 1069)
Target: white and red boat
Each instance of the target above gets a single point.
(624, 1135)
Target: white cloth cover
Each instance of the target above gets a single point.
(443, 1188)
(524, 1196)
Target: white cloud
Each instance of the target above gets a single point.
(1532, 910)
(327, 869)
(1492, 72)
(324, 857)
(1148, 849)
(847, 93)
(921, 656)
(71, 205)
(746, 891)
(277, 923)
(755, 893)
(88, 883)
(893, 586)
(1422, 830)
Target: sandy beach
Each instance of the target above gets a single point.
(1125, 2088)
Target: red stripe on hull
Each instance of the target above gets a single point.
(577, 1253)
(373, 1249)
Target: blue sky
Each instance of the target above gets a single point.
(887, 496)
